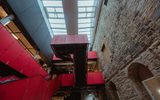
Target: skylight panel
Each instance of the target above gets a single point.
(82, 32)
(55, 13)
(57, 20)
(85, 29)
(91, 14)
(59, 33)
(58, 26)
(52, 9)
(91, 9)
(87, 20)
(87, 13)
(59, 30)
(51, 15)
(85, 25)
(86, 17)
(88, 33)
(87, 9)
(86, 3)
(52, 3)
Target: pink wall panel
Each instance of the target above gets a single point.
(5, 39)
(13, 54)
(67, 80)
(42, 71)
(17, 63)
(31, 68)
(57, 84)
(35, 88)
(69, 39)
(95, 78)
(56, 58)
(92, 55)
(13, 90)
(51, 89)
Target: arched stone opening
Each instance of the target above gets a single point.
(138, 73)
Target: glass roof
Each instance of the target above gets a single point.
(55, 14)
(86, 16)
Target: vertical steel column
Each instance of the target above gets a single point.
(80, 62)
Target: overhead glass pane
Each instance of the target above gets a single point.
(55, 33)
(86, 3)
(50, 9)
(87, 20)
(82, 9)
(88, 33)
(86, 9)
(91, 9)
(59, 30)
(85, 25)
(86, 16)
(85, 29)
(82, 32)
(56, 20)
(91, 14)
(51, 15)
(52, 3)
(61, 15)
(58, 26)
(53, 9)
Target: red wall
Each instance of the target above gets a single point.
(35, 88)
(14, 55)
(93, 78)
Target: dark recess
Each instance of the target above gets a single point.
(5, 71)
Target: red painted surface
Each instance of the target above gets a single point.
(14, 55)
(95, 78)
(69, 39)
(5, 39)
(8, 79)
(57, 84)
(35, 88)
(56, 58)
(92, 55)
(67, 80)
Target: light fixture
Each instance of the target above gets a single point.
(159, 91)
(14, 36)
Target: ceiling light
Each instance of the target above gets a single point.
(159, 91)
(14, 36)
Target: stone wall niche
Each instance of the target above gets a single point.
(137, 73)
(153, 86)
